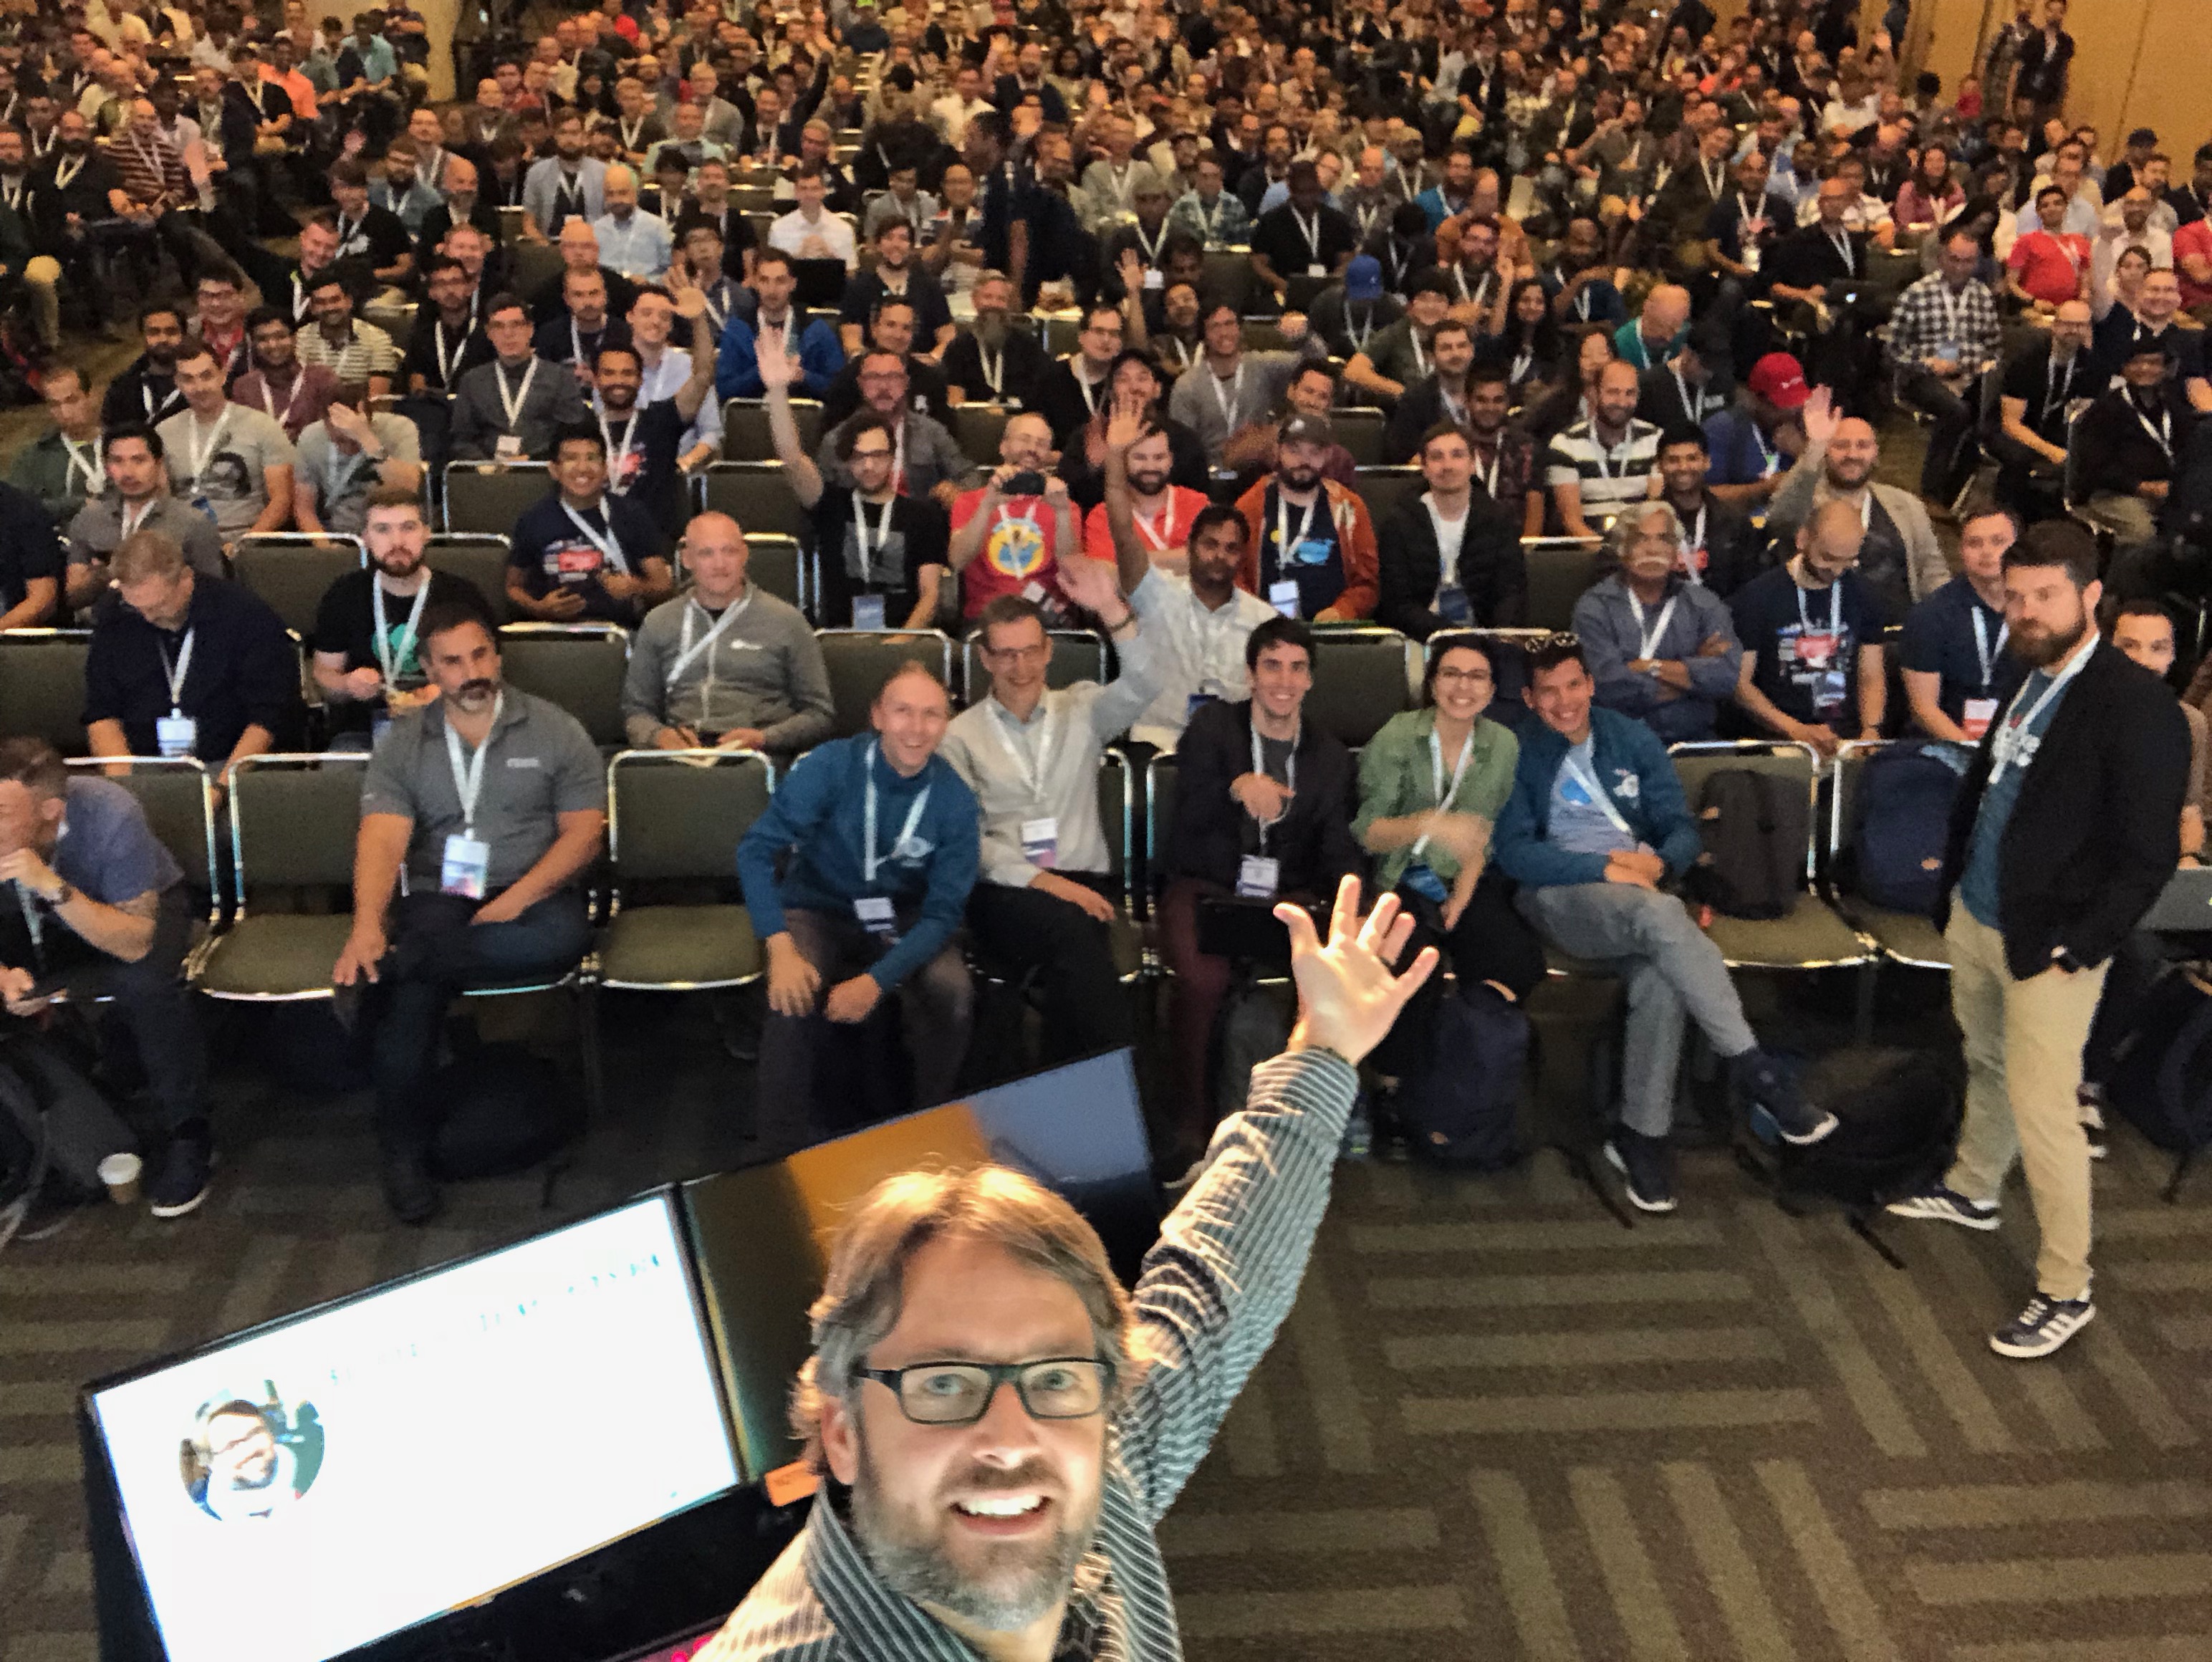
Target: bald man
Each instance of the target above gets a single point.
(1900, 560)
(633, 242)
(1812, 638)
(1657, 332)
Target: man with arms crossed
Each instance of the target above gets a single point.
(959, 1517)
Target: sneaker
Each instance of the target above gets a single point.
(187, 1169)
(1945, 1206)
(408, 1189)
(1643, 1162)
(2090, 1099)
(1774, 1091)
(1358, 1133)
(2044, 1325)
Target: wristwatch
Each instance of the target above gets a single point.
(64, 895)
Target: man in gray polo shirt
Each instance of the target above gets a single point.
(493, 803)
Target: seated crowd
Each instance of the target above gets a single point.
(1269, 237)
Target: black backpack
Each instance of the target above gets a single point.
(1899, 1112)
(1461, 1104)
(502, 1109)
(2161, 1078)
(1898, 850)
(56, 1127)
(1755, 826)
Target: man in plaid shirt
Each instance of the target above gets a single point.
(1943, 338)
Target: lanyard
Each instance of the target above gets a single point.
(870, 859)
(33, 922)
(1596, 793)
(617, 455)
(686, 650)
(468, 778)
(1835, 608)
(576, 343)
(1444, 798)
(203, 453)
(994, 373)
(1649, 636)
(1482, 289)
(1033, 779)
(178, 671)
(1361, 333)
(1769, 458)
(153, 407)
(1155, 530)
(1606, 453)
(1716, 178)
(389, 656)
(513, 405)
(1230, 401)
(63, 173)
(1311, 232)
(609, 545)
(1284, 544)
(1497, 461)
(630, 130)
(1414, 340)
(1843, 248)
(1150, 246)
(1121, 180)
(2162, 435)
(145, 512)
(447, 364)
(2004, 743)
(1090, 388)
(2056, 386)
(718, 315)
(860, 535)
(1691, 545)
(569, 194)
(1290, 769)
(95, 478)
(291, 401)
(13, 194)
(1983, 650)
(1692, 410)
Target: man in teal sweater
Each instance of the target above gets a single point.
(1596, 823)
(882, 840)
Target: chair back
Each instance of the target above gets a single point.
(976, 427)
(1696, 763)
(488, 497)
(1116, 814)
(172, 793)
(681, 814)
(860, 661)
(775, 562)
(1560, 570)
(1383, 488)
(42, 686)
(478, 558)
(756, 496)
(745, 429)
(1159, 824)
(579, 667)
(1360, 432)
(293, 572)
(293, 821)
(1361, 677)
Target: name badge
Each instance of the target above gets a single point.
(1257, 877)
(1155, 279)
(1452, 605)
(1948, 350)
(1033, 592)
(1828, 688)
(1975, 718)
(1284, 596)
(867, 612)
(1421, 877)
(176, 735)
(876, 915)
(1040, 841)
(467, 866)
(1317, 270)
(508, 448)
(207, 508)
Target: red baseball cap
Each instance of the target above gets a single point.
(1780, 380)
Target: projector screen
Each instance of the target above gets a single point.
(330, 1480)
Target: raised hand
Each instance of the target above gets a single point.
(1819, 416)
(1347, 997)
(1125, 422)
(779, 369)
(1094, 585)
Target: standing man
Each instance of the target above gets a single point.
(567, 185)
(1943, 340)
(1230, 389)
(882, 838)
(1012, 533)
(776, 327)
(2067, 827)
(493, 802)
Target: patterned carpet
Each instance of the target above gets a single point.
(1498, 1424)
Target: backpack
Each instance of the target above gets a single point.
(2161, 1078)
(1899, 1113)
(1255, 1024)
(1908, 791)
(1754, 827)
(56, 1127)
(502, 1109)
(1460, 1105)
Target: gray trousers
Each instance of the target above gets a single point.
(1672, 970)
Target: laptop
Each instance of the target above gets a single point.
(2185, 906)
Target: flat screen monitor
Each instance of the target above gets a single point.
(328, 1480)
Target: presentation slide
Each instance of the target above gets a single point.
(311, 1489)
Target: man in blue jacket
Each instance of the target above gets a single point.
(1596, 823)
(737, 364)
(882, 843)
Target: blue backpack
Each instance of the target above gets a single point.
(1461, 1104)
(1908, 791)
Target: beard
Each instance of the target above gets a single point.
(2040, 647)
(1148, 484)
(1300, 478)
(475, 695)
(990, 330)
(1014, 1584)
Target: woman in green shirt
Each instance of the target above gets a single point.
(1432, 784)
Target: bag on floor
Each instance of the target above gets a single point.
(56, 1126)
(2161, 1079)
(1460, 1105)
(1899, 1112)
(1754, 827)
(1907, 793)
(1255, 1026)
(502, 1109)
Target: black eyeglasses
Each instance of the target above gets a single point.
(960, 1393)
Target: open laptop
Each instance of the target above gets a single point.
(2185, 906)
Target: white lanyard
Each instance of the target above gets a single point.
(1150, 246)
(1420, 358)
(1361, 334)
(1034, 779)
(1090, 388)
(1745, 219)
(1290, 769)
(630, 130)
(468, 778)
(203, 453)
(1769, 459)
(1121, 180)
(608, 546)
(1983, 650)
(1843, 247)
(96, 477)
(576, 343)
(1311, 232)
(292, 399)
(13, 194)
(2163, 433)
(161, 174)
(446, 364)
(154, 408)
(1482, 289)
(514, 404)
(1596, 793)
(1233, 400)
(995, 373)
(2056, 386)
(686, 650)
(617, 454)
(63, 173)
(32, 921)
(1444, 798)
(1283, 545)
(718, 315)
(1716, 178)
(178, 671)
(1605, 454)
(1649, 636)
(145, 512)
(1693, 409)
(1954, 306)
(1213, 221)
(870, 859)
(860, 534)
(1835, 608)
(1496, 460)
(389, 656)
(2005, 742)
(1163, 521)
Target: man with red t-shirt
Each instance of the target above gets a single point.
(1007, 536)
(1163, 512)
(2192, 264)
(2050, 266)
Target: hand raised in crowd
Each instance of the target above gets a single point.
(779, 370)
(1094, 585)
(1819, 417)
(1125, 422)
(1347, 996)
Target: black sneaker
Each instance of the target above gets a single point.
(188, 1170)
(2044, 1325)
(408, 1189)
(1774, 1091)
(1647, 1167)
(1945, 1206)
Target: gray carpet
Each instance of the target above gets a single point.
(1498, 1424)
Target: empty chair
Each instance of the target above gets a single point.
(776, 564)
(675, 819)
(1560, 570)
(579, 667)
(744, 428)
(1077, 655)
(488, 497)
(859, 661)
(292, 571)
(42, 686)
(1359, 681)
(1383, 488)
(1228, 275)
(758, 497)
(481, 558)
(1360, 432)
(976, 428)
(293, 823)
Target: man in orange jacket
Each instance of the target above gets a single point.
(1311, 551)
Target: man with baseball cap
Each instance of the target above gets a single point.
(1758, 439)
(1311, 551)
(1350, 315)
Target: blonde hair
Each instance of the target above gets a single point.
(862, 1294)
(145, 554)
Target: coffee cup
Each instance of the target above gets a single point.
(120, 1173)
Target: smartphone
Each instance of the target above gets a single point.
(1024, 484)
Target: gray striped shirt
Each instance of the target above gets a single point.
(1214, 1290)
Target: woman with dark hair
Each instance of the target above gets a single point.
(1134, 375)
(1930, 197)
(1529, 349)
(1589, 348)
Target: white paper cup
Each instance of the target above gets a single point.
(120, 1173)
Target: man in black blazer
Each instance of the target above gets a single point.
(1487, 586)
(2065, 831)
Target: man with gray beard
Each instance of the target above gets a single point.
(992, 362)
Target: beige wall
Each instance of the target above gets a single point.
(442, 16)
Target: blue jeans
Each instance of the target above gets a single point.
(434, 953)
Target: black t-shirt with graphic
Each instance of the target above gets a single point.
(345, 622)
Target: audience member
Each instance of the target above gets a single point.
(1327, 570)
(1812, 635)
(584, 552)
(1659, 644)
(1957, 672)
(139, 501)
(1602, 463)
(508, 410)
(1450, 558)
(1900, 561)
(62, 469)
